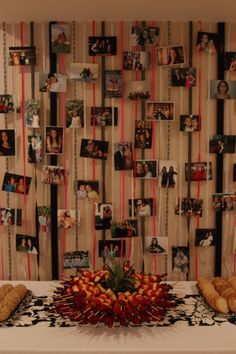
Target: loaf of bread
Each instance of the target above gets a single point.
(225, 289)
(11, 299)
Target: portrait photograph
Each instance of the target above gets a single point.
(185, 77)
(113, 84)
(170, 56)
(102, 45)
(10, 217)
(138, 90)
(52, 82)
(125, 228)
(7, 142)
(66, 219)
(143, 134)
(88, 189)
(53, 175)
(85, 72)
(74, 113)
(32, 111)
(54, 140)
(34, 148)
(222, 89)
(123, 158)
(159, 111)
(6, 104)
(156, 245)
(199, 171)
(61, 37)
(26, 244)
(142, 207)
(44, 218)
(76, 259)
(205, 237)
(22, 56)
(221, 144)
(189, 207)
(144, 35)
(180, 259)
(207, 42)
(16, 183)
(136, 60)
(111, 248)
(168, 173)
(189, 123)
(104, 116)
(94, 149)
(145, 169)
(103, 216)
(224, 201)
(230, 61)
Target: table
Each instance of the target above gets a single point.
(175, 339)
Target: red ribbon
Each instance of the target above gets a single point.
(122, 118)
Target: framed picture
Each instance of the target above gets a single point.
(224, 201)
(185, 77)
(230, 61)
(138, 90)
(221, 144)
(22, 56)
(103, 216)
(102, 45)
(26, 244)
(16, 183)
(222, 89)
(168, 173)
(111, 249)
(10, 217)
(54, 140)
(88, 189)
(61, 37)
(147, 169)
(170, 56)
(113, 84)
(53, 175)
(142, 207)
(180, 259)
(7, 142)
(76, 259)
(32, 111)
(144, 35)
(125, 228)
(123, 159)
(74, 114)
(199, 171)
(34, 148)
(207, 42)
(189, 123)
(85, 72)
(104, 116)
(156, 245)
(136, 60)
(66, 219)
(44, 218)
(6, 104)
(95, 149)
(189, 207)
(143, 134)
(52, 82)
(159, 111)
(205, 237)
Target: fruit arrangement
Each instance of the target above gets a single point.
(113, 295)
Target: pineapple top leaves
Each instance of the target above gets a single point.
(119, 277)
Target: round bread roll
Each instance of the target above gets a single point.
(232, 281)
(4, 290)
(221, 305)
(231, 301)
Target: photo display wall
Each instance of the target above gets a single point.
(117, 139)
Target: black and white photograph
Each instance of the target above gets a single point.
(102, 45)
(170, 56)
(7, 142)
(61, 37)
(103, 216)
(34, 148)
(224, 201)
(168, 173)
(199, 171)
(144, 35)
(189, 207)
(123, 159)
(16, 183)
(138, 90)
(180, 259)
(32, 111)
(230, 61)
(88, 189)
(222, 89)
(207, 42)
(54, 140)
(142, 207)
(85, 72)
(22, 56)
(136, 60)
(95, 149)
(44, 218)
(66, 219)
(52, 82)
(143, 134)
(74, 114)
(111, 248)
(156, 245)
(125, 228)
(26, 244)
(9, 217)
(6, 104)
(159, 111)
(147, 169)
(113, 83)
(53, 175)
(104, 116)
(189, 123)
(185, 77)
(76, 259)
(205, 237)
(221, 144)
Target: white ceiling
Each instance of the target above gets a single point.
(80, 10)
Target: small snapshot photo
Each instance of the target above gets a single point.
(138, 90)
(142, 207)
(102, 45)
(198, 171)
(54, 140)
(34, 148)
(146, 169)
(10, 217)
(224, 201)
(7, 142)
(111, 249)
(26, 244)
(136, 60)
(205, 237)
(44, 218)
(189, 123)
(143, 134)
(85, 72)
(170, 56)
(74, 114)
(6, 104)
(104, 116)
(95, 149)
(159, 110)
(222, 89)
(123, 156)
(189, 207)
(52, 82)
(126, 228)
(32, 111)
(16, 183)
(221, 144)
(180, 259)
(88, 189)
(144, 35)
(61, 37)
(168, 173)
(22, 56)
(156, 245)
(113, 83)
(234, 172)
(207, 42)
(53, 175)
(66, 219)
(185, 77)
(230, 61)
(103, 216)
(76, 259)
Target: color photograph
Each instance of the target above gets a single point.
(104, 116)
(113, 84)
(156, 245)
(94, 149)
(142, 207)
(85, 72)
(147, 169)
(52, 82)
(34, 148)
(32, 111)
(168, 173)
(26, 244)
(16, 183)
(66, 219)
(207, 42)
(136, 60)
(199, 171)
(9, 217)
(189, 207)
(185, 77)
(53, 175)
(221, 144)
(111, 249)
(88, 189)
(230, 61)
(126, 228)
(159, 111)
(102, 45)
(6, 104)
(44, 218)
(7, 142)
(103, 216)
(54, 140)
(205, 237)
(61, 37)
(189, 123)
(74, 114)
(222, 89)
(144, 35)
(22, 56)
(180, 259)
(224, 201)
(123, 156)
(138, 90)
(170, 56)
(143, 134)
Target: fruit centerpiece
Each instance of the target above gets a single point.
(115, 294)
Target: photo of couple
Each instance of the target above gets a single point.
(123, 156)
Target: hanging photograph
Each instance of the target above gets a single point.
(32, 111)
(34, 148)
(199, 171)
(26, 244)
(74, 113)
(95, 149)
(146, 169)
(156, 245)
(159, 111)
(126, 228)
(44, 218)
(189, 123)
(189, 207)
(142, 207)
(222, 89)
(144, 35)
(15, 183)
(136, 60)
(230, 61)
(224, 201)
(52, 82)
(53, 175)
(170, 56)
(111, 249)
(103, 116)
(102, 45)
(180, 259)
(88, 189)
(185, 77)
(207, 42)
(143, 134)
(113, 83)
(54, 140)
(61, 37)
(85, 72)
(9, 217)
(22, 56)
(76, 259)
(103, 216)
(205, 237)
(66, 218)
(168, 173)
(138, 90)
(6, 104)
(7, 142)
(123, 158)
(221, 144)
